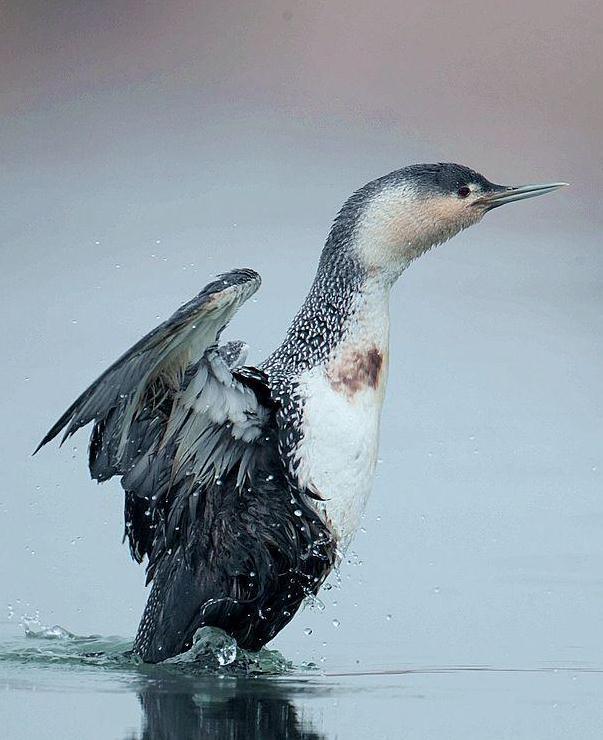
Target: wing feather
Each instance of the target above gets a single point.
(162, 355)
(171, 417)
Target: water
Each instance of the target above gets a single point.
(57, 684)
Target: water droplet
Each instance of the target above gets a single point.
(252, 574)
(313, 602)
(388, 617)
(227, 654)
(336, 623)
(297, 512)
(308, 631)
(436, 589)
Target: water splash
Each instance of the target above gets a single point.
(55, 645)
(47, 633)
(213, 652)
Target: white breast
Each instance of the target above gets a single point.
(343, 399)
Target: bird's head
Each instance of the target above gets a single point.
(396, 218)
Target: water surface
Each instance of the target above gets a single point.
(56, 684)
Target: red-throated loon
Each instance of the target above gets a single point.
(243, 484)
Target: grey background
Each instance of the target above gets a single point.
(146, 146)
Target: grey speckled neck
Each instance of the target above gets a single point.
(320, 323)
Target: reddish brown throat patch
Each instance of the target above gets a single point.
(356, 370)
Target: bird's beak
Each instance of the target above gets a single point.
(512, 194)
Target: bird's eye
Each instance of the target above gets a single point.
(463, 191)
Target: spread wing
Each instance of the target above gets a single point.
(170, 415)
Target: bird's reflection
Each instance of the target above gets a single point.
(188, 708)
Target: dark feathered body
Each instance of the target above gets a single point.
(196, 438)
(243, 558)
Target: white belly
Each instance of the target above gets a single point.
(338, 453)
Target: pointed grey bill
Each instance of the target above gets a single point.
(512, 194)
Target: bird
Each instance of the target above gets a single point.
(244, 484)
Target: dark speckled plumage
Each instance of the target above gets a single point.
(230, 542)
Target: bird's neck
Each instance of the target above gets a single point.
(346, 305)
